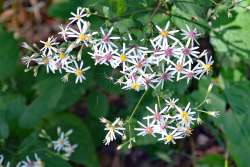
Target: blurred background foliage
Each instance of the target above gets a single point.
(29, 103)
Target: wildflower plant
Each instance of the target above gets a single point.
(62, 145)
(170, 55)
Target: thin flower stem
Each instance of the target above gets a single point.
(202, 103)
(159, 102)
(136, 107)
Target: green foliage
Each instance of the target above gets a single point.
(29, 104)
(8, 54)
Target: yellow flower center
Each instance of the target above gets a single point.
(47, 45)
(46, 60)
(207, 67)
(83, 37)
(164, 34)
(78, 17)
(61, 55)
(135, 86)
(123, 57)
(78, 72)
(184, 116)
(168, 138)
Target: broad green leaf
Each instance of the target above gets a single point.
(52, 96)
(85, 152)
(8, 53)
(97, 104)
(191, 13)
(234, 36)
(235, 123)
(212, 160)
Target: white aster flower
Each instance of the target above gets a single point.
(62, 141)
(50, 46)
(170, 137)
(78, 70)
(171, 103)
(186, 116)
(190, 35)
(112, 129)
(82, 36)
(49, 62)
(79, 15)
(164, 35)
(205, 67)
(106, 40)
(157, 115)
(63, 32)
(147, 129)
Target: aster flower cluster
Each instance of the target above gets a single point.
(62, 144)
(171, 55)
(63, 57)
(166, 57)
(169, 123)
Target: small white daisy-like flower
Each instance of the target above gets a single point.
(170, 137)
(164, 35)
(187, 53)
(133, 82)
(50, 46)
(78, 70)
(63, 32)
(147, 129)
(165, 75)
(112, 129)
(157, 115)
(171, 102)
(79, 15)
(186, 116)
(106, 40)
(190, 35)
(205, 67)
(62, 141)
(81, 36)
(49, 62)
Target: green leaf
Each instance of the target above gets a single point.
(212, 160)
(235, 123)
(192, 13)
(8, 54)
(85, 152)
(119, 6)
(97, 104)
(53, 96)
(50, 92)
(234, 37)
